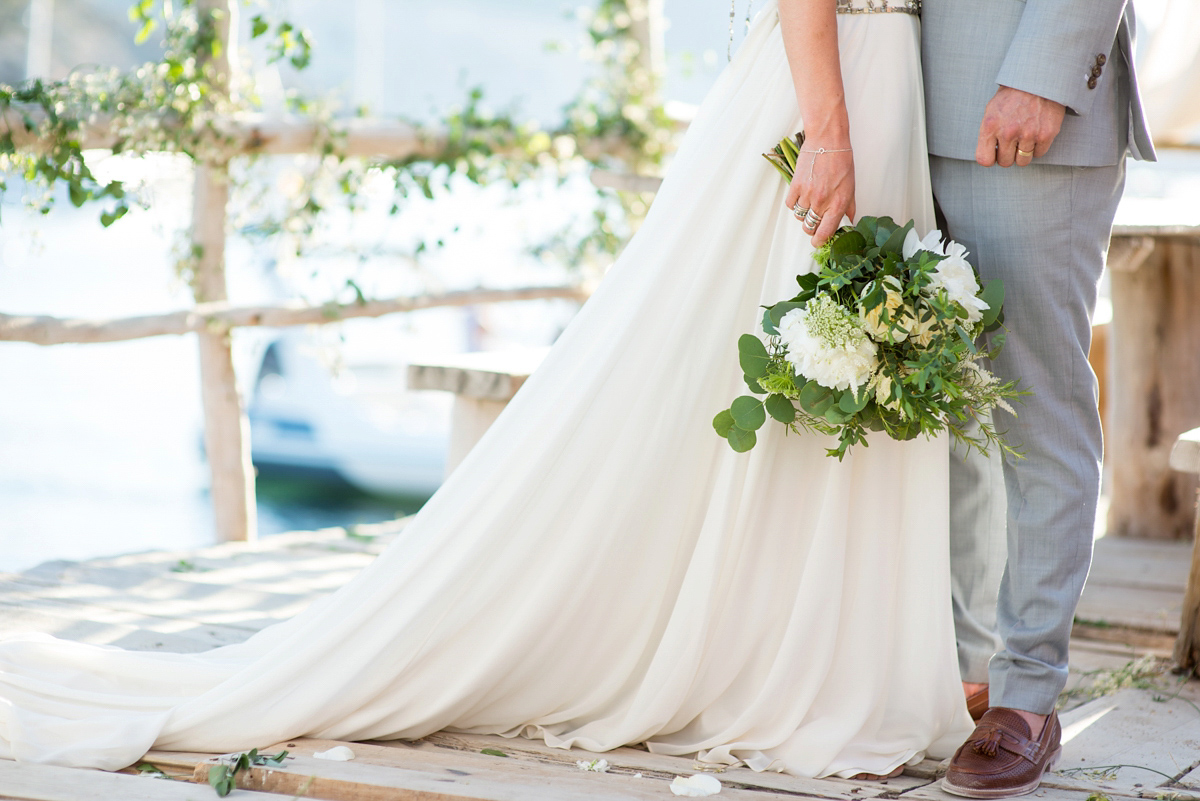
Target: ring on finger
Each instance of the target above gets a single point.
(812, 219)
(1021, 152)
(799, 210)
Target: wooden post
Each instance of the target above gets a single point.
(40, 45)
(226, 429)
(1154, 375)
(648, 28)
(1185, 457)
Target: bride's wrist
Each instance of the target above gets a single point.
(830, 134)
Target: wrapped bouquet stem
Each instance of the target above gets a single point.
(882, 337)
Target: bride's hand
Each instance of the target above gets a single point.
(823, 183)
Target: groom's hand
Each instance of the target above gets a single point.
(1017, 127)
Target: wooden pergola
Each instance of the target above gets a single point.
(212, 319)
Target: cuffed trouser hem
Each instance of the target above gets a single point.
(1031, 687)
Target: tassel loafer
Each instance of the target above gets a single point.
(1001, 759)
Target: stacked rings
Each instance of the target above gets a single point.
(812, 221)
(799, 210)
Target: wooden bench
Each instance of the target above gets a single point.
(483, 383)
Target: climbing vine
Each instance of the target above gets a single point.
(177, 105)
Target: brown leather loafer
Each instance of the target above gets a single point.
(977, 703)
(1000, 759)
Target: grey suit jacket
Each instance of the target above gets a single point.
(1076, 52)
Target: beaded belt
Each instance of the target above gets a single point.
(879, 7)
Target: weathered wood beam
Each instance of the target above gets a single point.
(226, 428)
(258, 133)
(220, 317)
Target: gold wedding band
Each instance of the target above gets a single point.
(1025, 152)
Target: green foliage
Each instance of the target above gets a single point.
(177, 105)
(926, 377)
(223, 775)
(493, 752)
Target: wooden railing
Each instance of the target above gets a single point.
(226, 429)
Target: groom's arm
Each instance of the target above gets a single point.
(1052, 66)
(1059, 47)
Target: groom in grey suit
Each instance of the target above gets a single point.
(1032, 108)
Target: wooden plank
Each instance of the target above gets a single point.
(28, 782)
(1046, 792)
(1153, 564)
(76, 624)
(399, 773)
(636, 760)
(1149, 731)
(97, 624)
(1152, 610)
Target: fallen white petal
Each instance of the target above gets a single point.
(338, 754)
(696, 786)
(596, 765)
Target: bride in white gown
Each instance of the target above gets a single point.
(602, 569)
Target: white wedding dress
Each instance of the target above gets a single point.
(603, 569)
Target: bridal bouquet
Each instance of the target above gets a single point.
(880, 338)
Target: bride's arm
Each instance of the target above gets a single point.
(823, 182)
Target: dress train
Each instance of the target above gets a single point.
(602, 569)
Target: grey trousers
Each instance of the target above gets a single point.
(1044, 231)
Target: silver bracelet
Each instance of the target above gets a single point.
(818, 152)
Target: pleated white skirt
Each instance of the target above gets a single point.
(603, 569)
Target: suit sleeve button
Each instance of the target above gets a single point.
(1101, 59)
(1091, 84)
(1096, 71)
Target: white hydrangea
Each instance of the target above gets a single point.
(826, 343)
(953, 273)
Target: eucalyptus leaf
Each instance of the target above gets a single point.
(835, 415)
(815, 398)
(853, 402)
(748, 413)
(780, 408)
(741, 440)
(768, 324)
(752, 355)
(993, 296)
(722, 423)
(753, 385)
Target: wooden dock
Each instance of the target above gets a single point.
(1132, 729)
